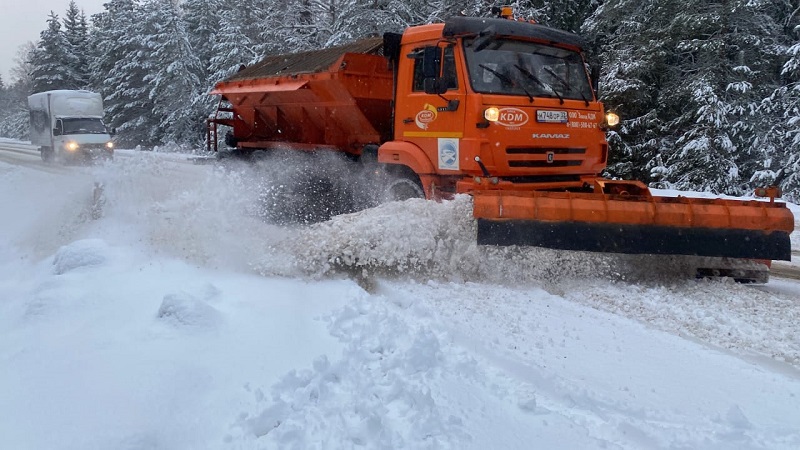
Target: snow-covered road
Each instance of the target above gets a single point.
(165, 315)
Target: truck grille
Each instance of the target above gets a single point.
(544, 151)
(562, 163)
(93, 146)
(541, 156)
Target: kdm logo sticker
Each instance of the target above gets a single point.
(512, 117)
(426, 116)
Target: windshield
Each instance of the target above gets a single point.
(525, 68)
(84, 126)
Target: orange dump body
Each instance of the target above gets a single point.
(335, 98)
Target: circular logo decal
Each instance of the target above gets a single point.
(448, 154)
(512, 117)
(426, 116)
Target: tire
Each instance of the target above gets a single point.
(48, 155)
(259, 155)
(403, 188)
(230, 140)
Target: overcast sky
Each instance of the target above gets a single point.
(23, 22)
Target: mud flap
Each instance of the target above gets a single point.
(636, 239)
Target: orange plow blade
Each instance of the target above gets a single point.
(635, 224)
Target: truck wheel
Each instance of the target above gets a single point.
(259, 155)
(230, 140)
(403, 188)
(47, 154)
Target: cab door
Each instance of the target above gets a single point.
(430, 104)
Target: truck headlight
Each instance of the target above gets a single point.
(612, 119)
(492, 114)
(72, 146)
(110, 145)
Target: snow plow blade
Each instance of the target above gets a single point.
(635, 224)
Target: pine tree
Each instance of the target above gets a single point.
(76, 32)
(203, 18)
(690, 77)
(121, 63)
(782, 142)
(633, 49)
(14, 112)
(175, 81)
(51, 60)
(239, 39)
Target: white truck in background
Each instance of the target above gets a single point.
(67, 125)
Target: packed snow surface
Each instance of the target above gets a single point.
(146, 305)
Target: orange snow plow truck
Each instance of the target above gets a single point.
(501, 109)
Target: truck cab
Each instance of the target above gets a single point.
(485, 101)
(67, 125)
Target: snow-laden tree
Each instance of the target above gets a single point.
(76, 32)
(566, 15)
(635, 63)
(782, 142)
(781, 110)
(306, 24)
(175, 80)
(52, 59)
(312, 24)
(202, 19)
(5, 102)
(119, 67)
(14, 110)
(688, 77)
(239, 39)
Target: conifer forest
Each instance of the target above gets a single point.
(708, 91)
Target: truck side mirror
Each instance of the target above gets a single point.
(431, 65)
(431, 61)
(435, 86)
(58, 130)
(595, 74)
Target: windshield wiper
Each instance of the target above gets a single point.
(563, 82)
(566, 84)
(558, 77)
(507, 79)
(531, 76)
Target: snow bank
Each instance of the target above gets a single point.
(132, 318)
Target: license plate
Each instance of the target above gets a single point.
(551, 116)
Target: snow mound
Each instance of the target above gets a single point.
(185, 310)
(379, 394)
(83, 253)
